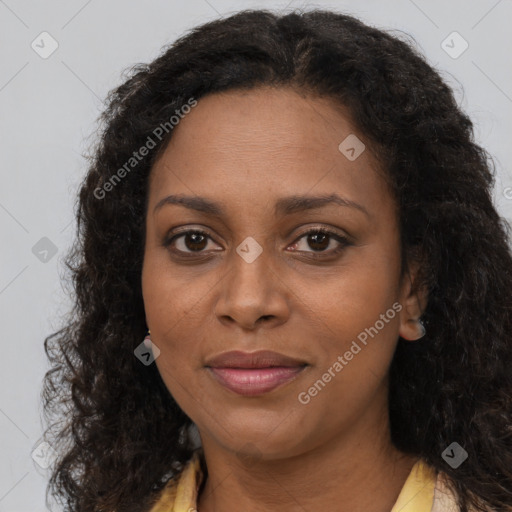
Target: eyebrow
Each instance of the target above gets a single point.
(283, 206)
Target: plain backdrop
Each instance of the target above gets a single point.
(48, 110)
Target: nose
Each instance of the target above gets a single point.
(252, 293)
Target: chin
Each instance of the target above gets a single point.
(266, 443)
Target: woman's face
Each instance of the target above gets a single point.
(257, 281)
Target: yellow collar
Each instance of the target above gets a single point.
(180, 495)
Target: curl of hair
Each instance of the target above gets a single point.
(120, 433)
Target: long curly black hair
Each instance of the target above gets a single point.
(119, 432)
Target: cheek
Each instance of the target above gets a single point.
(174, 299)
(354, 296)
(356, 318)
(355, 353)
(173, 309)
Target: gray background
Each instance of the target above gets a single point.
(48, 110)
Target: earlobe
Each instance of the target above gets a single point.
(411, 325)
(412, 330)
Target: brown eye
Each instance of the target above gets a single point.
(191, 241)
(319, 240)
(317, 243)
(195, 241)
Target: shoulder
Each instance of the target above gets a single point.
(445, 499)
(166, 498)
(181, 491)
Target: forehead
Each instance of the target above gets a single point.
(277, 118)
(253, 144)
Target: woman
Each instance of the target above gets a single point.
(286, 245)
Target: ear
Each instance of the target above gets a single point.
(414, 304)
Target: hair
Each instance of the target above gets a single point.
(120, 434)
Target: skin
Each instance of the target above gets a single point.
(245, 150)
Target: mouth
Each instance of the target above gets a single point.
(254, 373)
(255, 381)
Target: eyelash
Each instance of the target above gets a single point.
(342, 240)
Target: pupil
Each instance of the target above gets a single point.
(197, 239)
(318, 239)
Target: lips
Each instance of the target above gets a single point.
(259, 359)
(254, 373)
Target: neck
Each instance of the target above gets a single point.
(356, 472)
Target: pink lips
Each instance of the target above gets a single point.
(254, 381)
(253, 373)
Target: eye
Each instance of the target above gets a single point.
(320, 239)
(190, 241)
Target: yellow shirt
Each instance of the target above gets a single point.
(419, 493)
